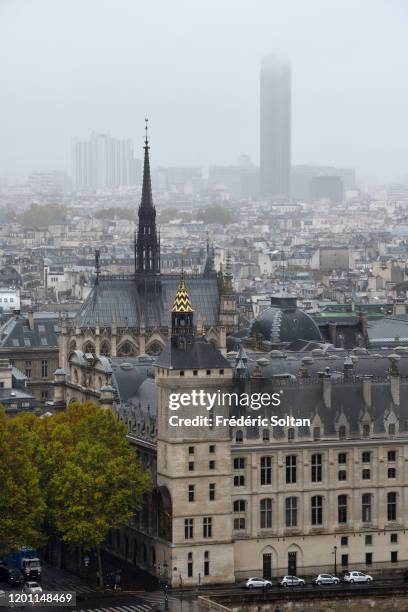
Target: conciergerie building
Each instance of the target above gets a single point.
(231, 502)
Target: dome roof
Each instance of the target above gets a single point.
(284, 322)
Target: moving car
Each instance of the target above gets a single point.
(353, 577)
(291, 581)
(325, 579)
(11, 575)
(32, 587)
(258, 583)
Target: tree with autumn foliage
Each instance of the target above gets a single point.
(94, 480)
(73, 475)
(22, 505)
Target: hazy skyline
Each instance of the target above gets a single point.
(70, 68)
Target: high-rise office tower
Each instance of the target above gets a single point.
(103, 161)
(275, 127)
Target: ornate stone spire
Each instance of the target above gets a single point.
(147, 250)
(182, 326)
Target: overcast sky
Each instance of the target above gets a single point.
(68, 67)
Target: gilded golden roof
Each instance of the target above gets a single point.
(182, 302)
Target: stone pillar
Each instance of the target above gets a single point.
(59, 386)
(107, 396)
(62, 341)
(114, 339)
(97, 341)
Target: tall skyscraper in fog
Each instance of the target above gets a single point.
(275, 126)
(103, 162)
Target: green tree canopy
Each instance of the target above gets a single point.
(73, 474)
(215, 213)
(42, 215)
(22, 505)
(115, 212)
(93, 479)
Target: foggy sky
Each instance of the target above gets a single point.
(68, 67)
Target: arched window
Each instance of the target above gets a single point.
(155, 348)
(190, 564)
(366, 430)
(342, 432)
(239, 436)
(105, 348)
(391, 429)
(126, 349)
(88, 348)
(206, 563)
(265, 508)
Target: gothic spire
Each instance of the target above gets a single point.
(147, 198)
(147, 250)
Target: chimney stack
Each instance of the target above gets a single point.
(367, 380)
(327, 389)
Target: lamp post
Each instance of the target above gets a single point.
(335, 560)
(165, 585)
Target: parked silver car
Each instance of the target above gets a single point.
(291, 581)
(258, 583)
(353, 577)
(325, 579)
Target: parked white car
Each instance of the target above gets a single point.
(291, 581)
(353, 577)
(325, 579)
(258, 583)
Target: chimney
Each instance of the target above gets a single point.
(394, 379)
(348, 368)
(395, 388)
(333, 332)
(31, 320)
(367, 380)
(363, 322)
(327, 389)
(399, 307)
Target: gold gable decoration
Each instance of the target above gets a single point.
(182, 302)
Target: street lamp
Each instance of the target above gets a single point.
(335, 560)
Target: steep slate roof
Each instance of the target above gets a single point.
(16, 332)
(201, 354)
(388, 330)
(120, 300)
